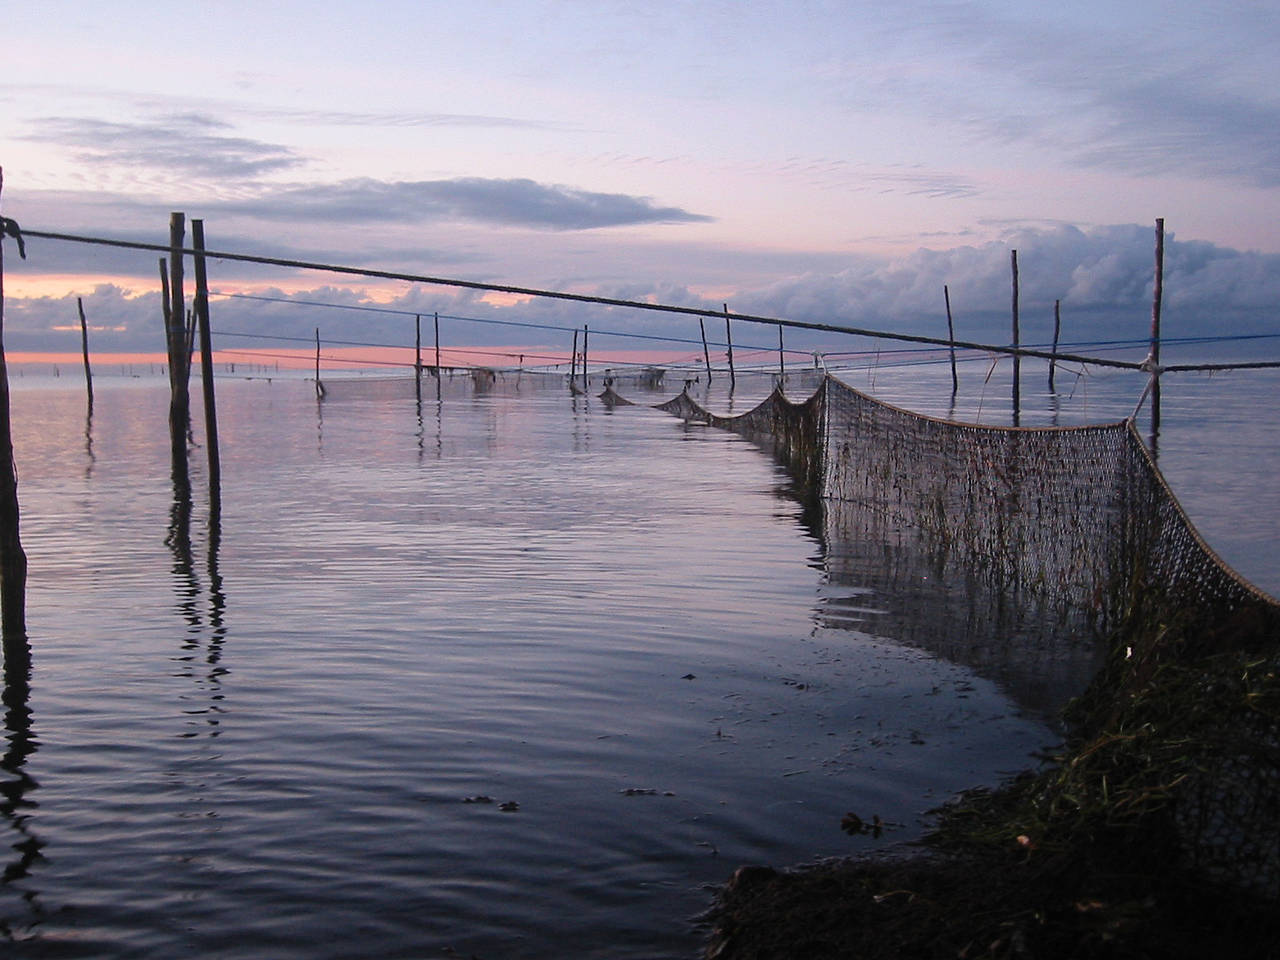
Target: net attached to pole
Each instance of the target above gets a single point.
(1067, 533)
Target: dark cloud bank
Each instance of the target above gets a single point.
(501, 202)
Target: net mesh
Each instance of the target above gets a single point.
(1064, 532)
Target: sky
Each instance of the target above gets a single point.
(816, 161)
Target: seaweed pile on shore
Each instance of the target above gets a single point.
(1153, 834)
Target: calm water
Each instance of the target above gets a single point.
(295, 736)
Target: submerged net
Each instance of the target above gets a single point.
(1066, 533)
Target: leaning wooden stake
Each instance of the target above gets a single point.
(951, 335)
(319, 384)
(1156, 297)
(573, 362)
(13, 560)
(84, 346)
(206, 368)
(728, 336)
(782, 363)
(1017, 360)
(706, 354)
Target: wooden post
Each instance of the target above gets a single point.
(782, 363)
(573, 362)
(1156, 298)
(417, 362)
(1057, 329)
(436, 318)
(13, 560)
(84, 346)
(319, 384)
(206, 368)
(951, 335)
(584, 356)
(166, 306)
(706, 354)
(1017, 360)
(417, 345)
(179, 400)
(728, 336)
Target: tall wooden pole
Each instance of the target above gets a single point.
(167, 307)
(584, 356)
(1017, 360)
(417, 345)
(206, 368)
(782, 363)
(1156, 298)
(728, 336)
(951, 335)
(573, 361)
(84, 346)
(319, 385)
(179, 400)
(436, 318)
(1057, 330)
(13, 559)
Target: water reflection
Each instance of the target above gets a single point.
(90, 457)
(889, 579)
(188, 592)
(20, 744)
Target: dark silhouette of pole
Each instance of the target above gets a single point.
(951, 337)
(319, 384)
(206, 368)
(1156, 297)
(436, 318)
(84, 346)
(728, 336)
(13, 559)
(1057, 330)
(584, 356)
(179, 400)
(706, 354)
(1017, 360)
(417, 345)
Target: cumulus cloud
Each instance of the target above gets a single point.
(1102, 276)
(501, 202)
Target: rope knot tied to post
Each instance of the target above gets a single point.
(1150, 365)
(10, 228)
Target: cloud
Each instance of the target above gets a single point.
(190, 144)
(499, 202)
(1192, 96)
(1103, 277)
(340, 118)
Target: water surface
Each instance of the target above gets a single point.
(508, 673)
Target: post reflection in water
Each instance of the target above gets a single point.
(15, 802)
(91, 458)
(188, 590)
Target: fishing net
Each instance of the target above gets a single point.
(1051, 540)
